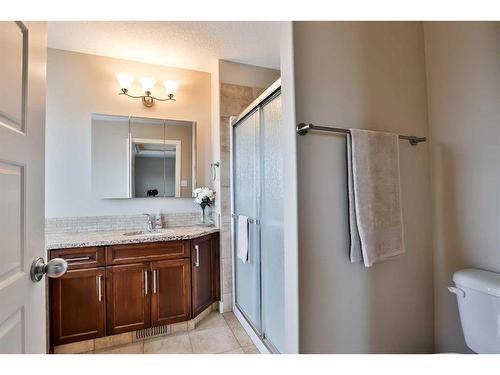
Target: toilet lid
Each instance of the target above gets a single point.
(480, 280)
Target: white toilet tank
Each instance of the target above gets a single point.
(478, 295)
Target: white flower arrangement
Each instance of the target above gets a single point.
(204, 196)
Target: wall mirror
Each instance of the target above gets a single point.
(136, 157)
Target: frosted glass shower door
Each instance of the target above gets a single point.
(246, 190)
(271, 223)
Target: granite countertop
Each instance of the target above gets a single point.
(87, 239)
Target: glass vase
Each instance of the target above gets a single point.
(205, 219)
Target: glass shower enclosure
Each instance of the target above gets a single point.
(258, 191)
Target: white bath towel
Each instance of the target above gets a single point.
(375, 212)
(243, 250)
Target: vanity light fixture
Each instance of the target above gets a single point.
(148, 100)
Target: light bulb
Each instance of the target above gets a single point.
(147, 83)
(170, 87)
(125, 80)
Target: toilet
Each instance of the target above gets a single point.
(478, 296)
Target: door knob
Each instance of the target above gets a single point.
(54, 268)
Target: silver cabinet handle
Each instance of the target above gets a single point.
(197, 261)
(145, 282)
(77, 259)
(99, 288)
(154, 281)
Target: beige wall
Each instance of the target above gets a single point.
(79, 85)
(215, 130)
(246, 75)
(463, 80)
(367, 75)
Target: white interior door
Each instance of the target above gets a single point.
(23, 53)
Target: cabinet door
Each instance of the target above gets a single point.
(127, 288)
(205, 272)
(171, 291)
(77, 306)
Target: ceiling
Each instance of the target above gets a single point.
(188, 45)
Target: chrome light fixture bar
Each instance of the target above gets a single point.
(148, 99)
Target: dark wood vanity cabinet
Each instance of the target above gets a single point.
(77, 306)
(131, 287)
(170, 291)
(205, 272)
(127, 298)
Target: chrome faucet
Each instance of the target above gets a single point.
(149, 223)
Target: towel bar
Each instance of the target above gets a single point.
(302, 129)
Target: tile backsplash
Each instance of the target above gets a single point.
(116, 222)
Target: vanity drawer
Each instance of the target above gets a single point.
(81, 257)
(145, 252)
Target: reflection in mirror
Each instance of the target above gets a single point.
(147, 159)
(181, 135)
(158, 159)
(156, 168)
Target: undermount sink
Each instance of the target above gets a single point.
(143, 232)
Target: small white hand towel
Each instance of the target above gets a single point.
(375, 210)
(242, 240)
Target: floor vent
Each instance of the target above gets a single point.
(151, 332)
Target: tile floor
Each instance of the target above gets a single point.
(216, 334)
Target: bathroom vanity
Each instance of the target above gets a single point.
(117, 283)
(130, 280)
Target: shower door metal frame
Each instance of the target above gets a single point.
(255, 107)
(234, 123)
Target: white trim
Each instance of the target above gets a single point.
(290, 214)
(178, 161)
(110, 118)
(148, 140)
(193, 160)
(129, 167)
